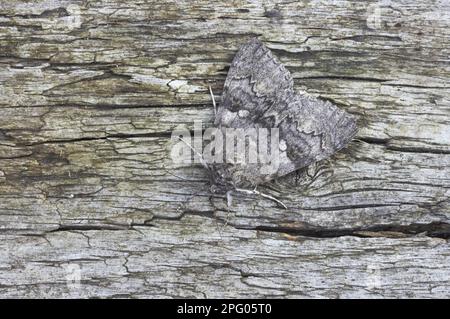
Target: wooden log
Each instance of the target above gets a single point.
(90, 93)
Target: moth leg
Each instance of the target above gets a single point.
(196, 152)
(183, 206)
(213, 100)
(272, 198)
(256, 192)
(229, 203)
(230, 198)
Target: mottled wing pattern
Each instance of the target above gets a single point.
(258, 92)
(254, 83)
(312, 130)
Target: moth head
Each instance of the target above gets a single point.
(220, 179)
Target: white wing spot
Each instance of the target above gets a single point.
(283, 145)
(243, 113)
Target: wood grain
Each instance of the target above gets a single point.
(89, 95)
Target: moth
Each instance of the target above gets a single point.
(259, 93)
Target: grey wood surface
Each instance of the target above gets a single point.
(91, 204)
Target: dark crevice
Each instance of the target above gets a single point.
(367, 79)
(109, 136)
(206, 214)
(87, 227)
(364, 37)
(83, 139)
(412, 149)
(99, 227)
(107, 107)
(353, 206)
(374, 140)
(407, 149)
(434, 229)
(343, 78)
(148, 106)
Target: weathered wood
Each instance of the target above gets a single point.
(191, 258)
(89, 93)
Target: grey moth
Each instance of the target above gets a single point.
(258, 94)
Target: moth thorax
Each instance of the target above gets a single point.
(221, 180)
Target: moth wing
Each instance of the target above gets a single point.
(258, 93)
(253, 84)
(310, 130)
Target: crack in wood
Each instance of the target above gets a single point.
(435, 229)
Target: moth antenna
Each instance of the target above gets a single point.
(196, 152)
(213, 100)
(168, 172)
(256, 192)
(359, 140)
(229, 203)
